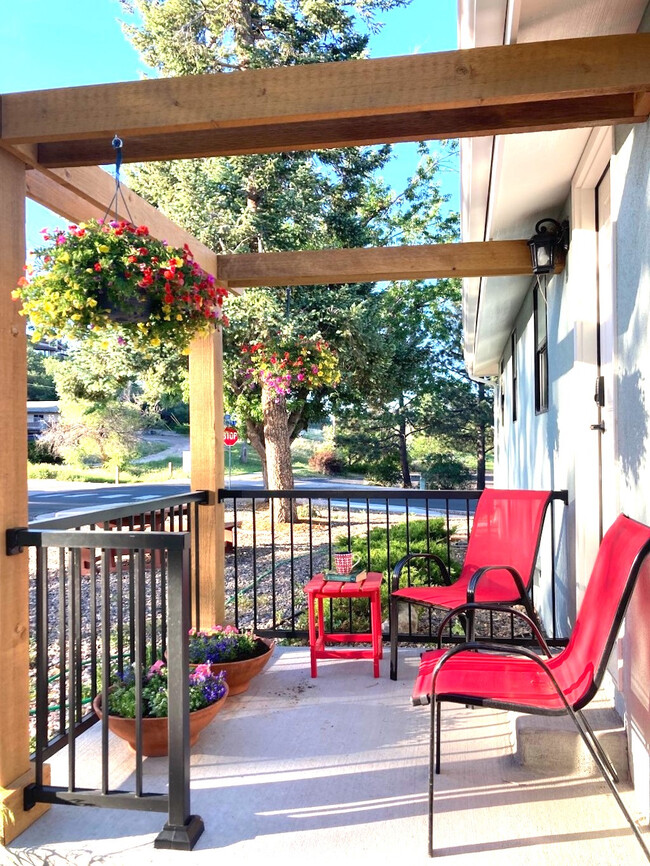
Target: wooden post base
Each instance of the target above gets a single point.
(13, 817)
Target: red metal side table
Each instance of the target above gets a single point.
(318, 589)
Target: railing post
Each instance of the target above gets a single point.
(182, 829)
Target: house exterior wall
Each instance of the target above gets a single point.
(557, 448)
(631, 180)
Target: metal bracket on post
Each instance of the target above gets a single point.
(14, 544)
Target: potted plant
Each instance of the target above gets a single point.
(240, 655)
(113, 276)
(208, 693)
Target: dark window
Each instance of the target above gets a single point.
(541, 351)
(502, 394)
(513, 348)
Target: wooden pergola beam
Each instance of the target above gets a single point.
(322, 267)
(480, 91)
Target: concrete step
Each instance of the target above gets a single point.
(552, 745)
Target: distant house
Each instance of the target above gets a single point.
(39, 414)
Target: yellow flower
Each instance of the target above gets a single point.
(185, 351)
(155, 341)
(75, 317)
(64, 257)
(179, 318)
(36, 336)
(178, 260)
(91, 302)
(103, 248)
(15, 294)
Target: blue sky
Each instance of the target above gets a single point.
(65, 43)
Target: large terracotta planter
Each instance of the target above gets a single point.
(155, 742)
(240, 674)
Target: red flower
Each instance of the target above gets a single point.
(97, 266)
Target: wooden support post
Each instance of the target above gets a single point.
(15, 770)
(206, 446)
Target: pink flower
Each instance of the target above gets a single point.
(300, 377)
(202, 671)
(156, 667)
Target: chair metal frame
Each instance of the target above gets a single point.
(521, 583)
(573, 710)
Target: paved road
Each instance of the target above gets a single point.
(57, 497)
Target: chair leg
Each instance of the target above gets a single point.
(597, 745)
(393, 626)
(604, 769)
(434, 764)
(438, 715)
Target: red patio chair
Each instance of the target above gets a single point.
(499, 563)
(516, 678)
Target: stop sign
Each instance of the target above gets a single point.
(230, 435)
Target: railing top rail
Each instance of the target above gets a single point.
(104, 539)
(360, 493)
(118, 510)
(346, 493)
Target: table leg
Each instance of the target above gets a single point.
(312, 633)
(375, 627)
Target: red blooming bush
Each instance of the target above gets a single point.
(114, 276)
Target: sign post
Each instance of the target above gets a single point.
(230, 436)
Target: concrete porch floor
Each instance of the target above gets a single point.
(335, 769)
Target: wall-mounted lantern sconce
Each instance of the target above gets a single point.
(550, 237)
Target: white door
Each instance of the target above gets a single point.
(604, 392)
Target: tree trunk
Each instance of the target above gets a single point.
(256, 436)
(278, 451)
(403, 455)
(480, 444)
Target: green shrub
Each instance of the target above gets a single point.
(373, 555)
(39, 452)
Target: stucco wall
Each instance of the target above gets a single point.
(631, 177)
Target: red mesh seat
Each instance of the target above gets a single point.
(499, 564)
(518, 679)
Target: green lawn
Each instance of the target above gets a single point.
(158, 470)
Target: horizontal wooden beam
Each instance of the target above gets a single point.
(496, 89)
(323, 267)
(418, 126)
(84, 193)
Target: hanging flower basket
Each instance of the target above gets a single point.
(115, 277)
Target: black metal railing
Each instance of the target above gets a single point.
(270, 561)
(110, 589)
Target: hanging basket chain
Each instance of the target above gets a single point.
(117, 143)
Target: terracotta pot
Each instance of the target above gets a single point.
(154, 731)
(240, 674)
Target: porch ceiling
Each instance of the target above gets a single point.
(508, 183)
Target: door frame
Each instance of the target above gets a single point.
(583, 282)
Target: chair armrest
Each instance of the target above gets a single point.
(442, 567)
(497, 648)
(499, 608)
(478, 574)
